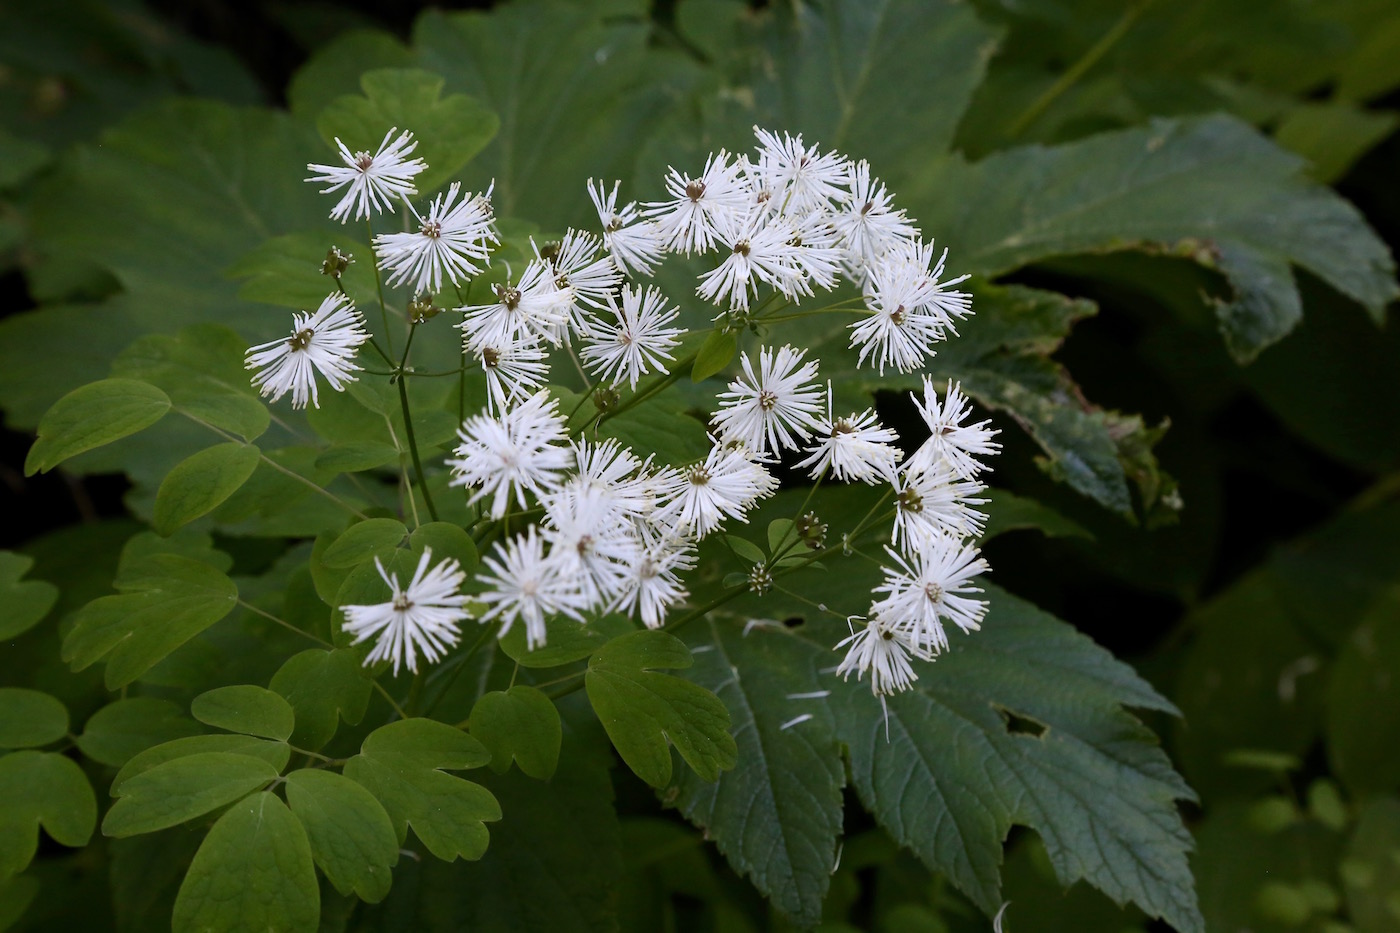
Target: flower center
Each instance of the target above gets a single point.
(866, 208)
(490, 357)
(648, 571)
(934, 592)
(842, 426)
(767, 399)
(509, 296)
(695, 190)
(898, 315)
(585, 545)
(910, 501)
(402, 603)
(741, 248)
(431, 229)
(363, 161)
(887, 635)
(699, 476)
(301, 339)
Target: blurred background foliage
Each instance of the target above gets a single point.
(1245, 558)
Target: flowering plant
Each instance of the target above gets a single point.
(620, 483)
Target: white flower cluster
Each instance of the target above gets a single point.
(602, 528)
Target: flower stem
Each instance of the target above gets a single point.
(413, 446)
(379, 284)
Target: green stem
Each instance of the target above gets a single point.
(379, 286)
(388, 698)
(1076, 71)
(285, 624)
(413, 446)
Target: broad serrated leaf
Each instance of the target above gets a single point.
(246, 709)
(29, 718)
(23, 603)
(595, 85)
(777, 815)
(253, 872)
(1007, 511)
(120, 730)
(42, 789)
(91, 416)
(450, 130)
(335, 66)
(362, 541)
(1008, 728)
(566, 641)
(200, 483)
(645, 712)
(521, 724)
(351, 837)
(182, 789)
(403, 765)
(323, 687)
(275, 754)
(1208, 189)
(286, 271)
(167, 599)
(661, 426)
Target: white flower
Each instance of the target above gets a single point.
(951, 440)
(594, 279)
(635, 340)
(758, 248)
(930, 585)
(815, 250)
(917, 257)
(609, 468)
(688, 221)
(726, 484)
(883, 650)
(421, 617)
(374, 180)
(773, 408)
(634, 244)
(652, 582)
(325, 341)
(450, 241)
(800, 179)
(901, 328)
(514, 370)
(521, 450)
(531, 308)
(523, 585)
(934, 502)
(866, 222)
(853, 448)
(590, 541)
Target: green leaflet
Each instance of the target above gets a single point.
(520, 724)
(565, 829)
(42, 789)
(1361, 702)
(402, 765)
(246, 709)
(253, 872)
(323, 688)
(201, 483)
(121, 730)
(201, 369)
(777, 815)
(715, 354)
(644, 712)
(351, 837)
(182, 789)
(362, 541)
(29, 718)
(166, 600)
(275, 754)
(450, 130)
(91, 416)
(23, 603)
